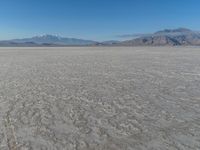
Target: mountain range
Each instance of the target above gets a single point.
(47, 40)
(167, 37)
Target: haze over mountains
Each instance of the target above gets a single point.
(167, 37)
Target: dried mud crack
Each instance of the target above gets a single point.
(100, 98)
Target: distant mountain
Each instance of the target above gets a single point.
(167, 37)
(111, 42)
(107, 43)
(47, 40)
(173, 31)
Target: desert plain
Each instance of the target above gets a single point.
(100, 98)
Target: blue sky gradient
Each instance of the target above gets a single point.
(95, 19)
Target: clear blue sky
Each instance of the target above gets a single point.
(95, 19)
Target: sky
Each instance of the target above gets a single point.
(95, 19)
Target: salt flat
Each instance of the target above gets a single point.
(100, 98)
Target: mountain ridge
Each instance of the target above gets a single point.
(166, 37)
(49, 40)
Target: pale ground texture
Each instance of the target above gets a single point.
(100, 98)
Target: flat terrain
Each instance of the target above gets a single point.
(100, 98)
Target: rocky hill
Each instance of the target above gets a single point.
(168, 37)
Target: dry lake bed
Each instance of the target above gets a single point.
(100, 98)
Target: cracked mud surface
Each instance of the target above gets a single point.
(100, 98)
